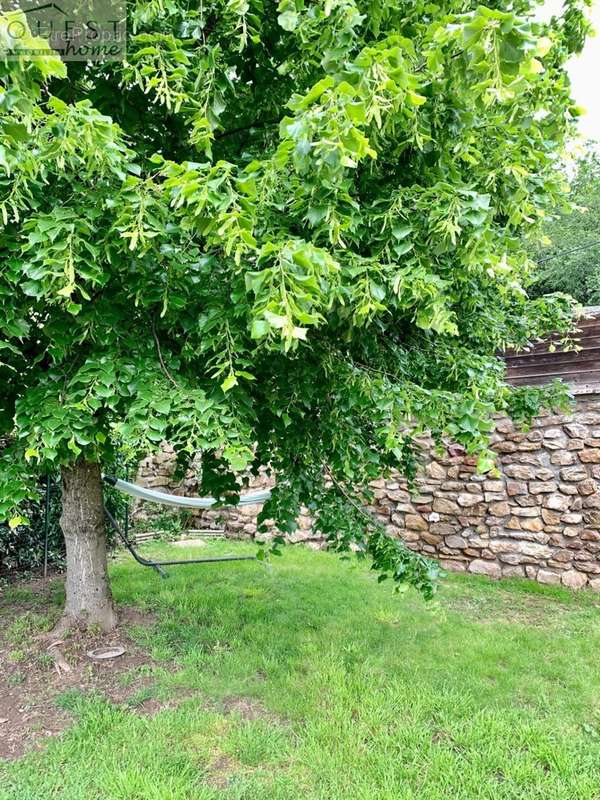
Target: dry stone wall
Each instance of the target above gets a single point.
(539, 518)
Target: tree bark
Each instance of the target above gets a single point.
(88, 595)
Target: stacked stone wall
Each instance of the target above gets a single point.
(539, 518)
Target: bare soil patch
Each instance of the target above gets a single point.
(220, 771)
(245, 707)
(31, 679)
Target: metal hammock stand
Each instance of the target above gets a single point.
(172, 500)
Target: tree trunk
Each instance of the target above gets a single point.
(88, 595)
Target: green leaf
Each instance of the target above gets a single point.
(229, 382)
(162, 406)
(401, 231)
(288, 20)
(260, 328)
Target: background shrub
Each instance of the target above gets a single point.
(22, 548)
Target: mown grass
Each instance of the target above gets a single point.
(309, 680)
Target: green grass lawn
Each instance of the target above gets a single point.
(307, 679)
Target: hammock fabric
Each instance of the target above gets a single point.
(175, 500)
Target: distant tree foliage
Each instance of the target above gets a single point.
(568, 256)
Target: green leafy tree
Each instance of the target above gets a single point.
(567, 248)
(277, 234)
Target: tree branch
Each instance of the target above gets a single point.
(357, 507)
(160, 356)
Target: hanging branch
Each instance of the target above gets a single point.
(163, 366)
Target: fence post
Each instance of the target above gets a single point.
(46, 525)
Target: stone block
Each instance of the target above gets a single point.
(544, 474)
(512, 558)
(590, 536)
(502, 546)
(562, 458)
(493, 486)
(556, 444)
(542, 487)
(415, 522)
(455, 542)
(501, 509)
(410, 536)
(573, 474)
(494, 497)
(592, 567)
(453, 565)
(504, 447)
(450, 486)
(576, 431)
(562, 556)
(531, 571)
(570, 531)
(535, 436)
(528, 447)
(535, 550)
(557, 502)
(549, 577)
(436, 471)
(534, 525)
(529, 458)
(567, 488)
(527, 511)
(592, 501)
(443, 528)
(589, 418)
(590, 456)
(397, 496)
(505, 426)
(520, 472)
(573, 579)
(513, 572)
(489, 568)
(588, 486)
(422, 499)
(445, 506)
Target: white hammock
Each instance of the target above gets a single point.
(183, 502)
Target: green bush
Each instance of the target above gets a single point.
(22, 548)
